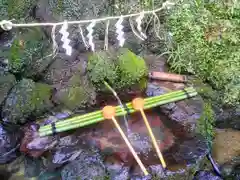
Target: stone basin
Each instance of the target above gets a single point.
(174, 126)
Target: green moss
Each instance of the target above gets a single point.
(28, 47)
(205, 123)
(18, 9)
(206, 91)
(40, 95)
(206, 38)
(101, 66)
(132, 68)
(78, 93)
(120, 69)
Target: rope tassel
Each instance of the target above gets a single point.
(139, 23)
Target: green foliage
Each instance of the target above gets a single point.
(120, 69)
(205, 123)
(124, 6)
(206, 43)
(18, 9)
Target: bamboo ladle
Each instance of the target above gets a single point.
(138, 104)
(109, 113)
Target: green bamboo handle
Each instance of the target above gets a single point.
(93, 121)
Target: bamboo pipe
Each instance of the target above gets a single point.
(75, 125)
(95, 114)
(168, 77)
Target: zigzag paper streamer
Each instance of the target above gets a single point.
(65, 39)
(120, 32)
(139, 23)
(90, 32)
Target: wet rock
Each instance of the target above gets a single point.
(77, 93)
(204, 175)
(55, 117)
(231, 169)
(62, 68)
(132, 43)
(26, 98)
(34, 145)
(116, 169)
(226, 145)
(33, 167)
(50, 175)
(228, 117)
(9, 144)
(88, 166)
(156, 63)
(69, 148)
(182, 159)
(7, 81)
(186, 112)
(72, 87)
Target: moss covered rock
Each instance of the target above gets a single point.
(28, 53)
(122, 69)
(78, 93)
(132, 68)
(25, 99)
(6, 83)
(67, 74)
(101, 67)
